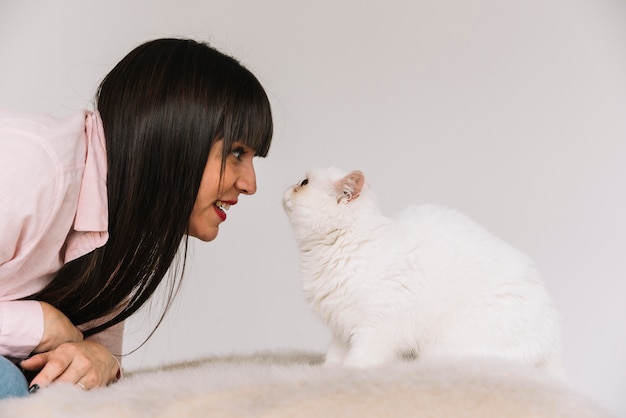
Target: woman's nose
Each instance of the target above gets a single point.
(246, 182)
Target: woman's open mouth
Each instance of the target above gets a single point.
(221, 207)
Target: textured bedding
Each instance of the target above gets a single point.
(294, 384)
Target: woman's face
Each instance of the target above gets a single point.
(209, 210)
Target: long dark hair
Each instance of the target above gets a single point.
(162, 107)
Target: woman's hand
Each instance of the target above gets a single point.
(87, 364)
(57, 329)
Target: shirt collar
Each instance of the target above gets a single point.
(92, 214)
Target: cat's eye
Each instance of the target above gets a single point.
(304, 182)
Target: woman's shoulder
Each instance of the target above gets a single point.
(40, 141)
(37, 122)
(42, 160)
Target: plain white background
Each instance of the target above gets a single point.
(511, 111)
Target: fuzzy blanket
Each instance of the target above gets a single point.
(281, 385)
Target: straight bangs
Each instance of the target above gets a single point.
(247, 115)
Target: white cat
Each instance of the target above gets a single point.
(428, 283)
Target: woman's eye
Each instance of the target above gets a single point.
(238, 152)
(304, 182)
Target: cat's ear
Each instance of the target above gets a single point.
(350, 186)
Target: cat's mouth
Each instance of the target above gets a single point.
(287, 199)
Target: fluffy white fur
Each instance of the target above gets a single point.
(429, 283)
(281, 385)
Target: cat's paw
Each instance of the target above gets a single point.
(334, 359)
(359, 359)
(331, 363)
(336, 354)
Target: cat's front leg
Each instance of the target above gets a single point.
(336, 353)
(370, 349)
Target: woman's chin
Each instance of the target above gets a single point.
(205, 234)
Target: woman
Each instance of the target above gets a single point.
(95, 206)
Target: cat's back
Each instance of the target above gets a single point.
(439, 220)
(446, 235)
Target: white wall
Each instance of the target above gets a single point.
(512, 111)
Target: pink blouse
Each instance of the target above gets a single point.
(53, 210)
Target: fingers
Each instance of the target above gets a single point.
(86, 364)
(61, 365)
(51, 365)
(35, 362)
